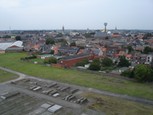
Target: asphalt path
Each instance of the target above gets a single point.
(83, 89)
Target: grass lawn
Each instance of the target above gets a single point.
(5, 76)
(116, 85)
(116, 106)
(38, 60)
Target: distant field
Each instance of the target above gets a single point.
(5, 76)
(112, 84)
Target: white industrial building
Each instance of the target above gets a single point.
(16, 46)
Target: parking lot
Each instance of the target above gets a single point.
(30, 96)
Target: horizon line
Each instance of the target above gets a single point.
(67, 29)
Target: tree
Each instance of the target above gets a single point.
(18, 38)
(96, 61)
(59, 35)
(147, 50)
(50, 41)
(6, 36)
(107, 62)
(130, 49)
(87, 35)
(95, 65)
(143, 73)
(64, 43)
(128, 73)
(51, 60)
(123, 62)
(147, 35)
(52, 52)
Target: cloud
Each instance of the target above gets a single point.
(29, 14)
(9, 3)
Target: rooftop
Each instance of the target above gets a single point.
(4, 46)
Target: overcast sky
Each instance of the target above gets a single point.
(75, 14)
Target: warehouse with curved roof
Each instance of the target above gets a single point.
(11, 46)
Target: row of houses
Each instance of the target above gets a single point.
(100, 45)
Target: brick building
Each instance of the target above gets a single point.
(72, 60)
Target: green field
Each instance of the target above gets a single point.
(112, 84)
(5, 76)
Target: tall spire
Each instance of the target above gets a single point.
(105, 24)
(63, 29)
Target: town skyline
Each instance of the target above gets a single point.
(77, 72)
(75, 14)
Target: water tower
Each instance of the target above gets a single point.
(105, 24)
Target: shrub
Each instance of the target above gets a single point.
(95, 65)
(143, 73)
(107, 62)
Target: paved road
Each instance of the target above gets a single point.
(131, 98)
(21, 75)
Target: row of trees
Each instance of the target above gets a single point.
(147, 50)
(96, 64)
(142, 73)
(106, 62)
(29, 57)
(51, 41)
(147, 35)
(8, 36)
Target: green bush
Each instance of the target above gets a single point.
(123, 62)
(128, 73)
(95, 65)
(143, 73)
(107, 62)
(28, 58)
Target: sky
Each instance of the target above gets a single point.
(75, 14)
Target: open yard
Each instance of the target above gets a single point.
(5, 76)
(116, 85)
(116, 106)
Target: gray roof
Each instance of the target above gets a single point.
(54, 108)
(4, 46)
(75, 56)
(100, 34)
